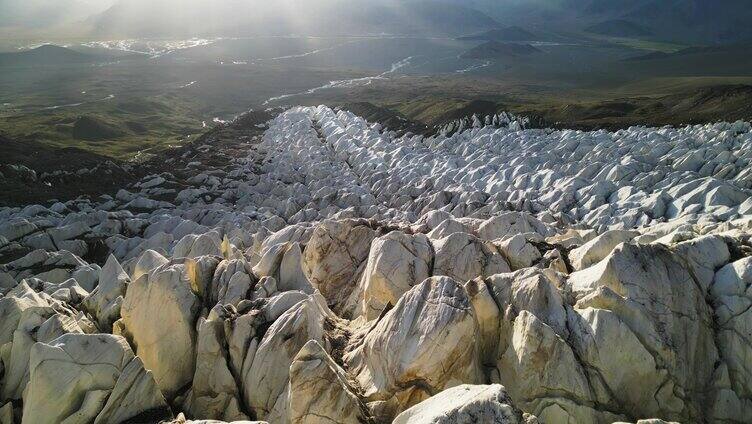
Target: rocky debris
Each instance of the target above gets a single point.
(328, 270)
(18, 172)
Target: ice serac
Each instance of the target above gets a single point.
(448, 227)
(544, 376)
(90, 378)
(519, 252)
(105, 301)
(659, 307)
(291, 276)
(530, 290)
(466, 404)
(231, 283)
(488, 316)
(148, 261)
(320, 392)
(195, 245)
(214, 390)
(595, 250)
(732, 300)
(425, 344)
(512, 223)
(7, 414)
(265, 380)
(322, 268)
(463, 257)
(396, 263)
(41, 319)
(334, 258)
(182, 420)
(15, 303)
(159, 314)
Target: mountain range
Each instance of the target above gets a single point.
(682, 21)
(511, 33)
(46, 55)
(22, 16)
(497, 50)
(321, 17)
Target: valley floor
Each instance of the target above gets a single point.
(310, 266)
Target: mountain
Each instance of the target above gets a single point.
(92, 128)
(606, 7)
(39, 13)
(35, 18)
(699, 21)
(725, 60)
(682, 21)
(497, 50)
(175, 18)
(648, 56)
(46, 55)
(511, 33)
(619, 28)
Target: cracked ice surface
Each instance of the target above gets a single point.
(599, 277)
(629, 178)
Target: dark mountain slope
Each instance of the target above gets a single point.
(512, 33)
(684, 21)
(699, 21)
(619, 28)
(46, 55)
(496, 50)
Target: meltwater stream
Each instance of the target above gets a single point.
(348, 83)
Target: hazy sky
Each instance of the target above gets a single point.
(165, 18)
(42, 14)
(36, 13)
(157, 18)
(21, 19)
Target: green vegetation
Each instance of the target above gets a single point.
(428, 110)
(654, 102)
(647, 45)
(119, 130)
